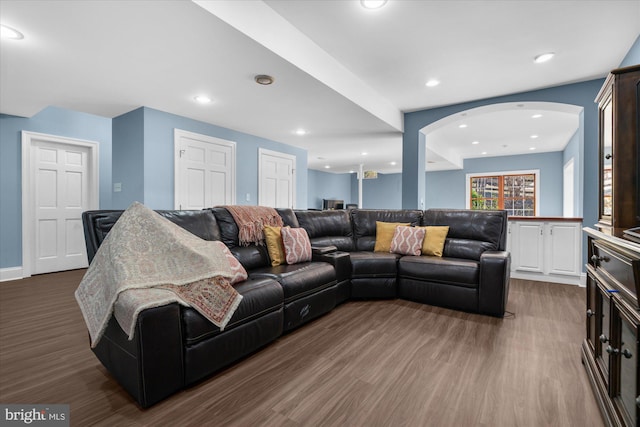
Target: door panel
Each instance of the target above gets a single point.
(277, 179)
(60, 197)
(204, 171)
(529, 256)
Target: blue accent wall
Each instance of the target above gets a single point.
(136, 150)
(128, 155)
(384, 192)
(144, 159)
(633, 56)
(447, 189)
(52, 121)
(326, 185)
(580, 94)
(158, 159)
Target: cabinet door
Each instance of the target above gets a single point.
(563, 248)
(624, 366)
(603, 330)
(592, 313)
(528, 247)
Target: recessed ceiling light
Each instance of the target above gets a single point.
(432, 83)
(263, 79)
(202, 99)
(532, 148)
(352, 171)
(327, 167)
(364, 153)
(10, 33)
(373, 4)
(301, 132)
(484, 152)
(475, 142)
(462, 126)
(534, 136)
(393, 163)
(544, 57)
(536, 116)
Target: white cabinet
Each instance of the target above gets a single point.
(528, 251)
(564, 248)
(546, 250)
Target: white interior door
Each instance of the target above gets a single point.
(204, 171)
(277, 179)
(61, 183)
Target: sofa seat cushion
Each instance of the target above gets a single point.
(373, 264)
(298, 280)
(260, 295)
(454, 271)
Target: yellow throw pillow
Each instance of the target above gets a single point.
(433, 243)
(275, 247)
(384, 235)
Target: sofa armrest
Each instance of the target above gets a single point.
(150, 366)
(341, 261)
(493, 288)
(321, 250)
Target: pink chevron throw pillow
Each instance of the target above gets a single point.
(407, 240)
(297, 247)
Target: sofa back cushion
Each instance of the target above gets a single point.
(98, 223)
(252, 256)
(288, 217)
(470, 232)
(327, 228)
(364, 224)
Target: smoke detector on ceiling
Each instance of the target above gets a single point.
(263, 79)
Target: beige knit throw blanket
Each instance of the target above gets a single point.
(147, 261)
(251, 221)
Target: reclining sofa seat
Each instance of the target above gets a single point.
(374, 274)
(309, 287)
(473, 273)
(175, 346)
(331, 240)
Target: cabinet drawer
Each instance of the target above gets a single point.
(622, 267)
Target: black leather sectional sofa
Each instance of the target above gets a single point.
(175, 347)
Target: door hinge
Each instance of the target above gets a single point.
(182, 152)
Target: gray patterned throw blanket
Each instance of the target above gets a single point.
(147, 261)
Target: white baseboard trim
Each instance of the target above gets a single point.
(11, 273)
(565, 280)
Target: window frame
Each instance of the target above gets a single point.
(535, 172)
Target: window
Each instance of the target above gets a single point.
(516, 192)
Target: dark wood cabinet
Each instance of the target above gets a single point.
(610, 351)
(619, 104)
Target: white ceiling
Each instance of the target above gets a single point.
(343, 73)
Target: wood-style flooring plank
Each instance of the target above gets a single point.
(367, 363)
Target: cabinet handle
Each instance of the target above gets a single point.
(590, 313)
(608, 156)
(604, 339)
(626, 353)
(612, 350)
(597, 259)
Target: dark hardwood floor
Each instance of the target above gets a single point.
(367, 363)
